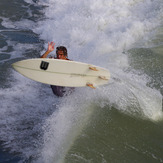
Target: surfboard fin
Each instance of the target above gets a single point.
(90, 85)
(103, 77)
(93, 68)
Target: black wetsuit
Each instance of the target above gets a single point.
(62, 91)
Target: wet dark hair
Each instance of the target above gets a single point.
(62, 48)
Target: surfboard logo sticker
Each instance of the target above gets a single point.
(44, 65)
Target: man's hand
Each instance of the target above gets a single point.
(50, 46)
(50, 49)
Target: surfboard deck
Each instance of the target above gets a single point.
(62, 72)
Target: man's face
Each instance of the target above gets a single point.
(60, 55)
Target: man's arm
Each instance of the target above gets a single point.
(45, 54)
(50, 49)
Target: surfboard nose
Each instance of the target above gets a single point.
(13, 65)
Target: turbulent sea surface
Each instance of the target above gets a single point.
(118, 122)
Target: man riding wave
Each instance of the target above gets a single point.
(61, 53)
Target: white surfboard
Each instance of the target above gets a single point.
(62, 72)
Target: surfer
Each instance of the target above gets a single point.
(61, 53)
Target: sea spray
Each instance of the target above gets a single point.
(96, 32)
(100, 32)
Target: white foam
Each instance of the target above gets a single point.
(110, 25)
(23, 24)
(62, 128)
(98, 32)
(22, 114)
(19, 49)
(95, 31)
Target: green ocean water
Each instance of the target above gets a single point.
(113, 136)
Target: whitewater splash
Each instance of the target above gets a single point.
(97, 32)
(94, 29)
